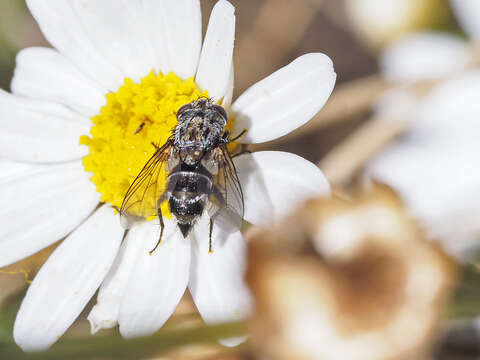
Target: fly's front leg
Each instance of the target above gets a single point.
(238, 136)
(243, 151)
(225, 136)
(210, 237)
(162, 226)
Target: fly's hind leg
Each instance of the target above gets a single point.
(162, 226)
(210, 237)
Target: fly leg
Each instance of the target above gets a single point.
(244, 151)
(238, 136)
(162, 226)
(210, 237)
(226, 136)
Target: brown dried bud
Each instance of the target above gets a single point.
(348, 280)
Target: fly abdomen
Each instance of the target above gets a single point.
(187, 196)
(186, 203)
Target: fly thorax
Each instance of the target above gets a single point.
(191, 155)
(200, 125)
(198, 132)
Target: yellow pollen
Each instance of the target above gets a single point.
(24, 272)
(121, 137)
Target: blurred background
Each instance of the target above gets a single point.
(405, 113)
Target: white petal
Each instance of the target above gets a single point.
(442, 194)
(41, 204)
(67, 281)
(45, 74)
(468, 14)
(12, 170)
(441, 151)
(275, 183)
(37, 131)
(158, 281)
(117, 31)
(63, 28)
(285, 100)
(104, 314)
(227, 99)
(215, 63)
(217, 280)
(451, 111)
(423, 56)
(176, 29)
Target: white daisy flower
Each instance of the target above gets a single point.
(434, 165)
(426, 55)
(378, 22)
(120, 64)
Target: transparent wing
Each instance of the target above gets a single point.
(144, 193)
(226, 201)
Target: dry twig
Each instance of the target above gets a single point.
(349, 156)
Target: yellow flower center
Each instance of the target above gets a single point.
(121, 138)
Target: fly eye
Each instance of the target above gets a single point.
(221, 111)
(183, 109)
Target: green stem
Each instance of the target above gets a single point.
(118, 348)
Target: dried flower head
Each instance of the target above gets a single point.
(348, 280)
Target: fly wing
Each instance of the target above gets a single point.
(226, 200)
(144, 194)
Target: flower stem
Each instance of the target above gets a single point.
(117, 348)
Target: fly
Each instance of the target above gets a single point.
(201, 175)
